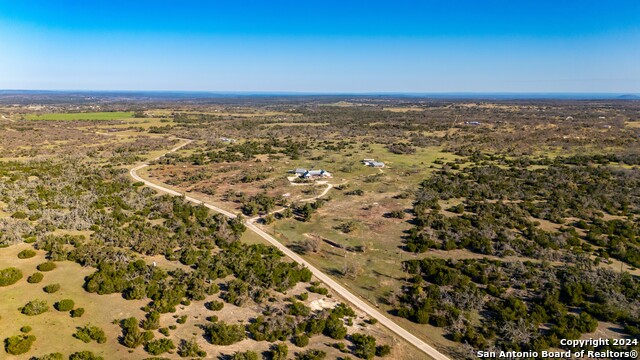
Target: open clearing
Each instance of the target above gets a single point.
(107, 115)
(70, 276)
(481, 209)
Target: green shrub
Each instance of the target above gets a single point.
(82, 335)
(356, 192)
(152, 321)
(315, 326)
(35, 307)
(77, 312)
(365, 346)
(52, 356)
(246, 355)
(35, 278)
(18, 344)
(318, 290)
(47, 266)
(131, 336)
(30, 240)
(164, 331)
(298, 309)
(182, 319)
(19, 215)
(190, 349)
(88, 333)
(279, 351)
(340, 346)
(157, 347)
(301, 340)
(311, 354)
(335, 328)
(148, 336)
(51, 288)
(64, 305)
(214, 305)
(422, 316)
(220, 333)
(396, 214)
(9, 276)
(383, 350)
(85, 355)
(25, 329)
(26, 254)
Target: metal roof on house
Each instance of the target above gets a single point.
(310, 173)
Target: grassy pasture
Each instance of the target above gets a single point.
(249, 113)
(111, 115)
(289, 124)
(633, 124)
(403, 109)
(379, 234)
(101, 310)
(54, 329)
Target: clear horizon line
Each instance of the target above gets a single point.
(320, 92)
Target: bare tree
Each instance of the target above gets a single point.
(311, 244)
(351, 269)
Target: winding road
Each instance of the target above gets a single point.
(346, 294)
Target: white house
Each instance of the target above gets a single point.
(316, 173)
(373, 163)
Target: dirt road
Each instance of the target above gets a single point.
(346, 294)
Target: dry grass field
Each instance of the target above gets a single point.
(361, 229)
(54, 330)
(101, 139)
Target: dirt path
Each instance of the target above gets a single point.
(347, 295)
(323, 193)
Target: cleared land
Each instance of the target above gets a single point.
(115, 115)
(483, 214)
(115, 149)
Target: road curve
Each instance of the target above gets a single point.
(326, 190)
(350, 297)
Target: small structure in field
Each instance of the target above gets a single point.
(228, 140)
(472, 122)
(310, 174)
(373, 163)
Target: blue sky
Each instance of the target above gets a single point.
(322, 45)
